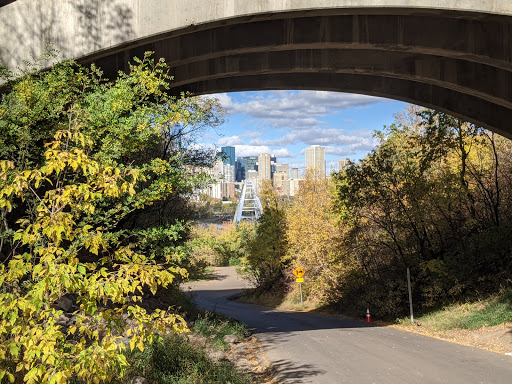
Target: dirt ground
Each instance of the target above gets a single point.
(496, 339)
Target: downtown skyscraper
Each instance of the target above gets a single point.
(228, 160)
(264, 166)
(315, 160)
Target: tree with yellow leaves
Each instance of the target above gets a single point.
(267, 250)
(77, 157)
(313, 235)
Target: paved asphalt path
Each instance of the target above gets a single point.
(309, 348)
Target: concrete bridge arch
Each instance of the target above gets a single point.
(451, 55)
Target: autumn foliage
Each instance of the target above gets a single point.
(434, 197)
(81, 158)
(314, 236)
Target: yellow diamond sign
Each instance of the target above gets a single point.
(299, 272)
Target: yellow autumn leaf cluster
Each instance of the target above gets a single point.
(29, 334)
(81, 160)
(313, 234)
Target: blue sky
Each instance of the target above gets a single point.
(284, 123)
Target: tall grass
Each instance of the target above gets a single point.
(215, 327)
(177, 361)
(492, 311)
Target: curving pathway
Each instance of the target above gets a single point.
(309, 348)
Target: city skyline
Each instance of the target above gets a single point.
(265, 165)
(282, 125)
(285, 123)
(229, 171)
(240, 162)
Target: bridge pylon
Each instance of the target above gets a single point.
(249, 206)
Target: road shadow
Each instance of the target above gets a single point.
(223, 295)
(286, 370)
(263, 320)
(215, 296)
(221, 277)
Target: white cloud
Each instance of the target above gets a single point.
(231, 140)
(338, 151)
(364, 145)
(203, 147)
(283, 122)
(255, 150)
(314, 136)
(224, 100)
(283, 153)
(251, 134)
(295, 110)
(250, 150)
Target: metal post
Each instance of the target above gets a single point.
(300, 287)
(410, 293)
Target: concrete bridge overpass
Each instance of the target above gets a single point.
(451, 55)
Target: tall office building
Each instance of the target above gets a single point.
(228, 159)
(273, 163)
(281, 179)
(244, 165)
(315, 159)
(264, 170)
(295, 174)
(239, 170)
(294, 186)
(229, 173)
(283, 168)
(281, 183)
(343, 163)
(228, 154)
(216, 171)
(251, 175)
(251, 163)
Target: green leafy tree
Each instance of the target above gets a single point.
(424, 199)
(232, 242)
(79, 157)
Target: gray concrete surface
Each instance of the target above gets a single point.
(452, 55)
(307, 348)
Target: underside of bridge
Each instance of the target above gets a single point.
(455, 61)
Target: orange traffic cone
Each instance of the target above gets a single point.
(368, 317)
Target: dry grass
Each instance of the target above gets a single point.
(485, 324)
(496, 339)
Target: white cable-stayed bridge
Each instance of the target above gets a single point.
(249, 206)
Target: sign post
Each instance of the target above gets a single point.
(300, 288)
(410, 293)
(299, 272)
